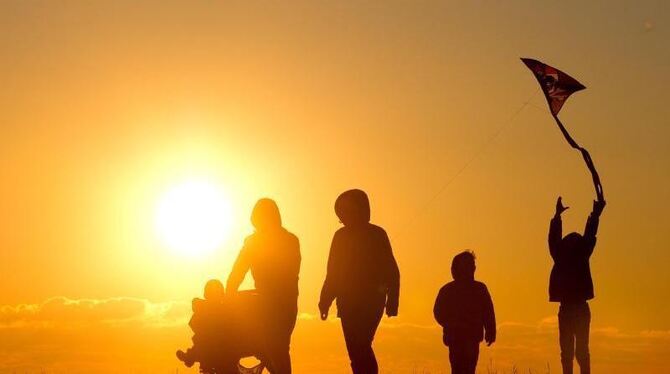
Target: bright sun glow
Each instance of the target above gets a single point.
(193, 218)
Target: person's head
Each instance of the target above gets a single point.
(265, 215)
(571, 241)
(214, 290)
(463, 266)
(353, 207)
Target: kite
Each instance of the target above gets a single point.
(557, 87)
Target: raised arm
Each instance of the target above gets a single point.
(240, 268)
(556, 229)
(592, 222)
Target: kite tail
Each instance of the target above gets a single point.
(587, 158)
(566, 134)
(594, 174)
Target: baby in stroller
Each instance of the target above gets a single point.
(224, 331)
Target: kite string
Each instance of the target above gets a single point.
(476, 155)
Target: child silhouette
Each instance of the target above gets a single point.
(206, 323)
(571, 284)
(464, 309)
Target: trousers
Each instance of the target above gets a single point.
(359, 331)
(574, 320)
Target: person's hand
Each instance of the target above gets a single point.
(559, 206)
(598, 206)
(489, 340)
(323, 312)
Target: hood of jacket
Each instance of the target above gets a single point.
(353, 207)
(265, 215)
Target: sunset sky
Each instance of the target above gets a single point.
(108, 106)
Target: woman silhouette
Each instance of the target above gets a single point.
(273, 256)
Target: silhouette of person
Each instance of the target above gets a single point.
(570, 284)
(272, 254)
(364, 278)
(206, 323)
(464, 309)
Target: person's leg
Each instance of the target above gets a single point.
(354, 342)
(566, 331)
(359, 331)
(453, 358)
(471, 355)
(279, 349)
(280, 363)
(583, 322)
(456, 357)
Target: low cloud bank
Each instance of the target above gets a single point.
(60, 312)
(124, 334)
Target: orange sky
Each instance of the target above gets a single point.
(106, 105)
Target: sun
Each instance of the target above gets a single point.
(193, 218)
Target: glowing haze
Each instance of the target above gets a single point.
(135, 138)
(193, 218)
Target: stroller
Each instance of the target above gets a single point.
(237, 334)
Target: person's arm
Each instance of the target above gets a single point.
(439, 309)
(591, 229)
(556, 229)
(330, 285)
(393, 279)
(296, 257)
(240, 268)
(489, 318)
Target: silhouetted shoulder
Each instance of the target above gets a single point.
(481, 286)
(249, 240)
(478, 286)
(377, 229)
(292, 237)
(378, 233)
(447, 287)
(341, 231)
(197, 304)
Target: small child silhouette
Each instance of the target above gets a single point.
(464, 309)
(206, 325)
(571, 284)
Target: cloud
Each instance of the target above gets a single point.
(62, 335)
(60, 312)
(121, 334)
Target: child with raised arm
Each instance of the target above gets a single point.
(570, 284)
(464, 309)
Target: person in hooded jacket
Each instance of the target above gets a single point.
(570, 283)
(464, 309)
(362, 277)
(272, 254)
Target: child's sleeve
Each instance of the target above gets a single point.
(555, 235)
(393, 278)
(590, 233)
(489, 317)
(440, 308)
(331, 284)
